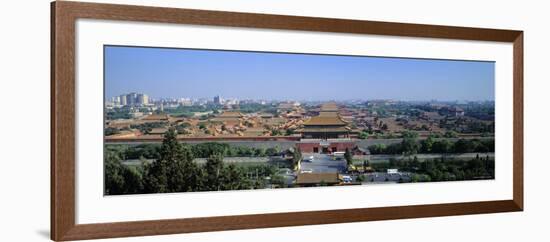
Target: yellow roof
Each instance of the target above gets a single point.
(315, 178)
(325, 120)
(230, 114)
(156, 117)
(329, 107)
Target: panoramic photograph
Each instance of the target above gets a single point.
(195, 120)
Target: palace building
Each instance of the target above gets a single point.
(229, 118)
(326, 146)
(327, 125)
(327, 133)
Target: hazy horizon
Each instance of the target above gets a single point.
(188, 73)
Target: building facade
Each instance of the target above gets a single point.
(325, 146)
(326, 125)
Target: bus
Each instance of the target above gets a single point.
(338, 155)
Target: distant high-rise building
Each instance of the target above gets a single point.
(185, 102)
(115, 100)
(142, 99)
(131, 99)
(145, 99)
(123, 100)
(233, 101)
(218, 100)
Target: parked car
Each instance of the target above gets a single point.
(309, 158)
(347, 179)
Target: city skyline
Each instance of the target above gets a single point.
(183, 73)
(293, 100)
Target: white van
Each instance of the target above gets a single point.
(347, 179)
(338, 155)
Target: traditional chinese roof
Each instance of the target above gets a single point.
(329, 107)
(316, 178)
(265, 115)
(158, 131)
(275, 121)
(286, 105)
(157, 117)
(325, 130)
(254, 131)
(325, 120)
(230, 114)
(328, 114)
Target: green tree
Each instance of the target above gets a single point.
(133, 180)
(114, 179)
(296, 157)
(450, 134)
(415, 163)
(214, 173)
(119, 178)
(349, 157)
(233, 178)
(409, 134)
(276, 132)
(278, 180)
(442, 146)
(464, 146)
(427, 144)
(184, 174)
(377, 149)
(174, 170)
(271, 151)
(289, 132)
(410, 146)
(111, 131)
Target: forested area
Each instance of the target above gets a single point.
(175, 171)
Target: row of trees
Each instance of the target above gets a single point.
(188, 111)
(118, 113)
(147, 127)
(201, 150)
(443, 169)
(411, 145)
(175, 171)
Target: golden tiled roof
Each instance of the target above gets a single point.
(156, 117)
(230, 114)
(328, 114)
(325, 120)
(329, 107)
(316, 178)
(325, 130)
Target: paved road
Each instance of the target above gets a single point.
(285, 144)
(322, 163)
(385, 158)
(225, 160)
(365, 143)
(381, 177)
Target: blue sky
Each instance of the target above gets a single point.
(163, 72)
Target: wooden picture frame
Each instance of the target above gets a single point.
(63, 17)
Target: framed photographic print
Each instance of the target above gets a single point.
(172, 120)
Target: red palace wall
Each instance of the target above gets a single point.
(340, 146)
